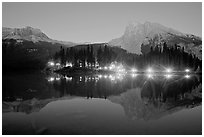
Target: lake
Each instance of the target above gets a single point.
(39, 103)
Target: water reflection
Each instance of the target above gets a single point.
(141, 96)
(152, 89)
(134, 96)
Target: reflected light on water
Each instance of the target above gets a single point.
(187, 76)
(133, 75)
(112, 78)
(133, 70)
(168, 76)
(150, 76)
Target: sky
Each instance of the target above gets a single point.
(100, 22)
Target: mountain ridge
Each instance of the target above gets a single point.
(30, 34)
(138, 34)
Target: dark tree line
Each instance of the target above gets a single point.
(160, 55)
(174, 56)
(85, 56)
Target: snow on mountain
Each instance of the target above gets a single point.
(138, 34)
(29, 34)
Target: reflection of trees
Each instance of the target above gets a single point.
(151, 100)
(157, 99)
(163, 91)
(90, 86)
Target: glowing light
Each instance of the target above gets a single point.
(168, 76)
(168, 70)
(100, 76)
(51, 79)
(80, 78)
(68, 78)
(68, 65)
(96, 78)
(187, 70)
(112, 66)
(105, 67)
(99, 68)
(51, 63)
(133, 75)
(121, 70)
(105, 76)
(112, 78)
(57, 64)
(97, 64)
(150, 76)
(149, 70)
(133, 70)
(57, 78)
(187, 76)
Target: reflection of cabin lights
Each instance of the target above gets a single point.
(187, 76)
(133, 75)
(168, 76)
(105, 76)
(100, 76)
(51, 79)
(150, 76)
(99, 68)
(187, 70)
(121, 70)
(133, 70)
(105, 68)
(96, 78)
(168, 70)
(112, 78)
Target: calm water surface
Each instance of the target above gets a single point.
(102, 104)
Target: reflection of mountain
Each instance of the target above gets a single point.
(141, 98)
(150, 107)
(29, 106)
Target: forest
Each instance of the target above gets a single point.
(158, 56)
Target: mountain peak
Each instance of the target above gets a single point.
(27, 33)
(147, 33)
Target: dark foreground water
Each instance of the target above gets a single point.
(102, 104)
